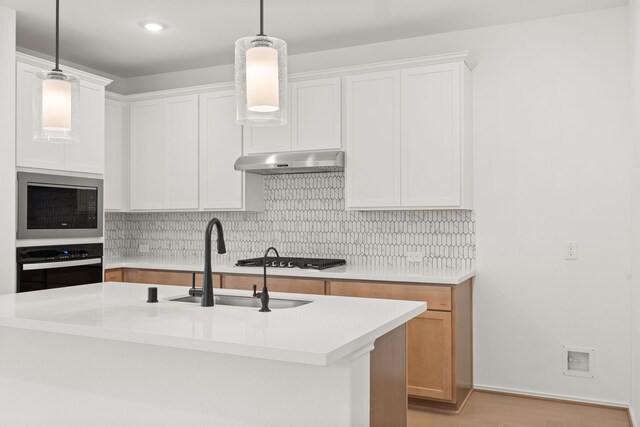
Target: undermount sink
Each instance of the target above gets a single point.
(240, 301)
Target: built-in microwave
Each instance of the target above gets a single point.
(55, 206)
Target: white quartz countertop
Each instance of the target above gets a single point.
(417, 274)
(319, 333)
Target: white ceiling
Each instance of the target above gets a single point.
(106, 35)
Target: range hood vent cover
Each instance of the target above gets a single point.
(283, 163)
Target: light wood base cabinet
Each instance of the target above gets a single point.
(157, 277)
(438, 343)
(429, 356)
(114, 275)
(275, 284)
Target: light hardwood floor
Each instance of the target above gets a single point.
(495, 410)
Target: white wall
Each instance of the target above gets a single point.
(7, 151)
(634, 15)
(552, 149)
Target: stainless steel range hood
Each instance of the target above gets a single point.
(280, 163)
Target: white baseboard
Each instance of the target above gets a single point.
(552, 396)
(632, 418)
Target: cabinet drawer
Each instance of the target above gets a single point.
(437, 297)
(161, 277)
(275, 284)
(114, 275)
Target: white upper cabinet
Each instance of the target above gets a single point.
(85, 156)
(88, 154)
(431, 136)
(114, 169)
(146, 145)
(221, 186)
(30, 153)
(373, 140)
(181, 153)
(405, 125)
(313, 123)
(316, 115)
(163, 147)
(418, 154)
(269, 139)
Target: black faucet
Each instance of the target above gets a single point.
(207, 285)
(264, 295)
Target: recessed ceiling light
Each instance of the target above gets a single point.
(153, 27)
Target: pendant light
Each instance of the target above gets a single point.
(261, 79)
(56, 97)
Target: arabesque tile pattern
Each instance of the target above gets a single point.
(304, 216)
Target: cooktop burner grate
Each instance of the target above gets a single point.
(287, 262)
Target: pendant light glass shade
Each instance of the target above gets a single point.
(261, 81)
(56, 113)
(56, 101)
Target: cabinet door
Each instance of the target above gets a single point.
(431, 136)
(147, 154)
(181, 153)
(220, 146)
(88, 155)
(373, 140)
(29, 153)
(316, 115)
(269, 139)
(429, 356)
(114, 155)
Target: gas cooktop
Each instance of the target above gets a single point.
(285, 262)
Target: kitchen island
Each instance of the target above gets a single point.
(101, 355)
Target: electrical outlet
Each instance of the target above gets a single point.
(415, 256)
(143, 249)
(570, 250)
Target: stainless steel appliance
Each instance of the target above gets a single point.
(53, 206)
(48, 267)
(296, 162)
(287, 262)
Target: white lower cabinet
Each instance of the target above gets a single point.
(85, 156)
(221, 186)
(114, 165)
(164, 154)
(408, 138)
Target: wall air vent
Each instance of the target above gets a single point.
(578, 361)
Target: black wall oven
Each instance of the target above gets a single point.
(53, 206)
(48, 267)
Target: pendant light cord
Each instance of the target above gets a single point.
(58, 36)
(261, 18)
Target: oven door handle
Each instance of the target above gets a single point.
(61, 264)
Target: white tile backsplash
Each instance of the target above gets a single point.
(304, 216)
